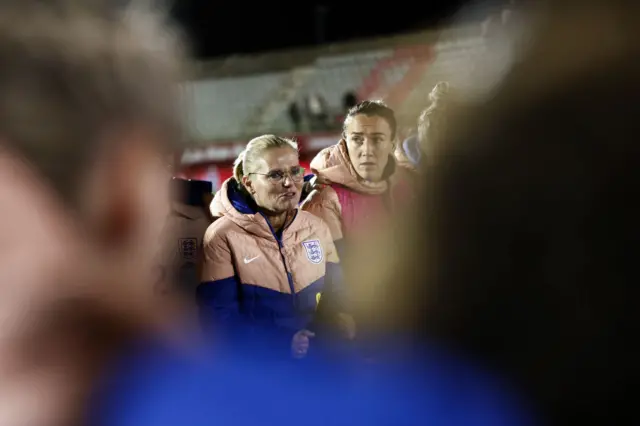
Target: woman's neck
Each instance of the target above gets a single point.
(277, 221)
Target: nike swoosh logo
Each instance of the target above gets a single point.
(250, 260)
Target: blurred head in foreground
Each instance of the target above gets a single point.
(524, 254)
(88, 107)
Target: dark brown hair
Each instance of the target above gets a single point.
(374, 108)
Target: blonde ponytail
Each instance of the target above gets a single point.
(432, 123)
(440, 93)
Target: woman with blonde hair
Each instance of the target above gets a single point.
(266, 264)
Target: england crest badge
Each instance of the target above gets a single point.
(188, 248)
(314, 251)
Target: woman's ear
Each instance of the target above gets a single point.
(248, 184)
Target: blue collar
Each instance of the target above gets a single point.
(412, 150)
(240, 200)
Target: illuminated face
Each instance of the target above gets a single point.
(276, 180)
(369, 144)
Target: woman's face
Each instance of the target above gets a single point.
(276, 180)
(369, 145)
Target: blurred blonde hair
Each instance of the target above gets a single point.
(432, 122)
(77, 70)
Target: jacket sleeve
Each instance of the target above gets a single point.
(335, 291)
(324, 204)
(217, 295)
(334, 295)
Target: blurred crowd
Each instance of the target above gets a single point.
(476, 268)
(314, 114)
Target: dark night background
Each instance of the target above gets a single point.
(218, 28)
